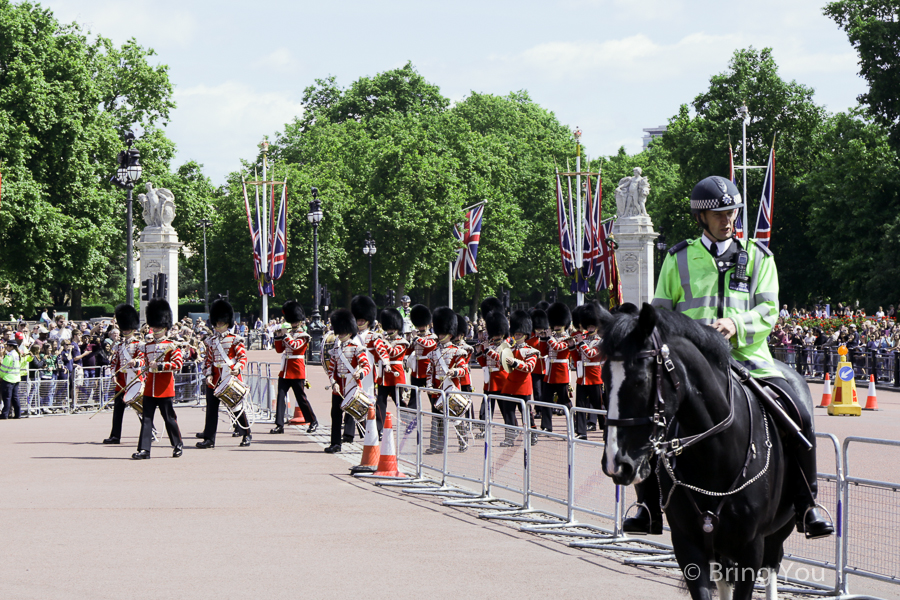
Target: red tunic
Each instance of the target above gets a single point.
(233, 347)
(341, 376)
(125, 351)
(466, 378)
(518, 380)
(497, 375)
(161, 384)
(541, 346)
(591, 361)
(293, 359)
(422, 346)
(558, 358)
(378, 352)
(394, 373)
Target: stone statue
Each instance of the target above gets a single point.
(631, 195)
(159, 207)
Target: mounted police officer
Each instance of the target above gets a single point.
(732, 286)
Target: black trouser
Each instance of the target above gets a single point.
(562, 397)
(299, 387)
(10, 393)
(336, 415)
(418, 382)
(587, 396)
(118, 416)
(508, 410)
(167, 411)
(385, 392)
(212, 417)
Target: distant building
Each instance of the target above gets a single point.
(652, 132)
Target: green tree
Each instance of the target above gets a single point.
(873, 27)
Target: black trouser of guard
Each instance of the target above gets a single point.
(562, 397)
(10, 394)
(336, 415)
(117, 417)
(385, 392)
(212, 417)
(801, 463)
(299, 387)
(418, 382)
(587, 396)
(167, 411)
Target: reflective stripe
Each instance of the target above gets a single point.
(684, 274)
(754, 364)
(765, 297)
(662, 303)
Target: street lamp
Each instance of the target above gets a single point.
(128, 172)
(315, 217)
(204, 223)
(369, 250)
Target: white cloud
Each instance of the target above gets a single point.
(280, 59)
(218, 125)
(151, 25)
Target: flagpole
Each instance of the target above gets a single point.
(264, 238)
(579, 226)
(450, 298)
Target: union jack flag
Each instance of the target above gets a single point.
(738, 223)
(470, 236)
(767, 203)
(565, 234)
(606, 256)
(278, 256)
(590, 255)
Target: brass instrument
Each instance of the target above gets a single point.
(506, 355)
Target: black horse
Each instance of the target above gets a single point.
(672, 394)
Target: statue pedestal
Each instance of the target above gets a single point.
(636, 237)
(159, 254)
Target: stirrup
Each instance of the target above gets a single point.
(802, 521)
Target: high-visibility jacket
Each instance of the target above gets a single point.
(692, 282)
(9, 368)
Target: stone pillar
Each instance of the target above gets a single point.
(159, 254)
(636, 240)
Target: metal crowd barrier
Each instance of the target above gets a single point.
(551, 480)
(815, 362)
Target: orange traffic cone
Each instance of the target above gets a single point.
(871, 399)
(826, 394)
(387, 463)
(371, 453)
(297, 419)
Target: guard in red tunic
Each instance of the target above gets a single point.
(226, 357)
(589, 391)
(496, 331)
(559, 348)
(163, 358)
(464, 380)
(292, 346)
(349, 366)
(126, 363)
(517, 383)
(365, 312)
(538, 340)
(394, 374)
(423, 343)
(446, 363)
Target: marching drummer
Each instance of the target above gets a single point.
(349, 366)
(163, 361)
(226, 357)
(292, 346)
(127, 360)
(394, 374)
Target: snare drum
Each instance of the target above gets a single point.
(231, 391)
(134, 392)
(357, 405)
(457, 404)
(138, 405)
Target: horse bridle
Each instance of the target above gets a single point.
(675, 446)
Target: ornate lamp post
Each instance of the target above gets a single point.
(204, 223)
(315, 217)
(369, 250)
(128, 172)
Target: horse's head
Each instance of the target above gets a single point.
(632, 349)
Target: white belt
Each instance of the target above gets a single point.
(494, 370)
(395, 362)
(593, 364)
(559, 360)
(292, 357)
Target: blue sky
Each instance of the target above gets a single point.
(610, 67)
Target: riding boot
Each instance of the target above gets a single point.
(648, 518)
(809, 520)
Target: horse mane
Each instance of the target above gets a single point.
(708, 341)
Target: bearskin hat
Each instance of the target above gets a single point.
(462, 326)
(444, 321)
(520, 322)
(576, 317)
(543, 305)
(159, 313)
(221, 311)
(364, 309)
(496, 324)
(391, 319)
(343, 322)
(127, 318)
(292, 311)
(590, 315)
(559, 315)
(420, 315)
(489, 305)
(539, 319)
